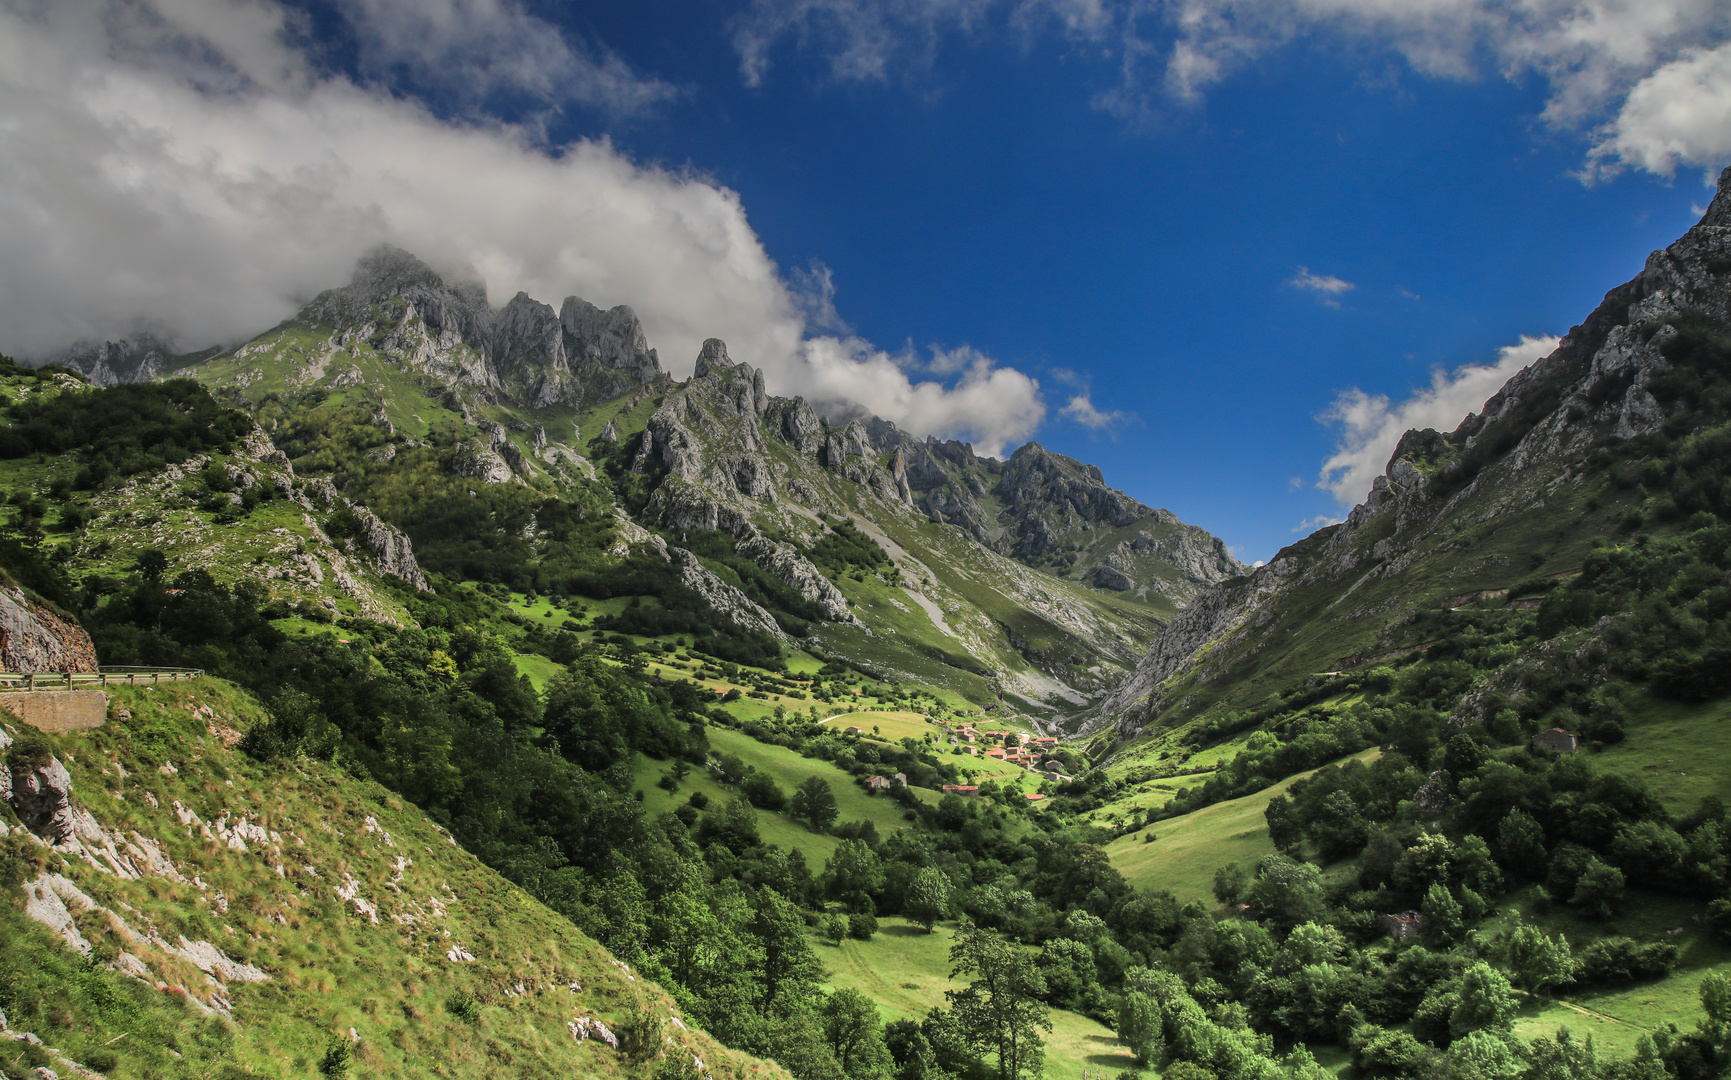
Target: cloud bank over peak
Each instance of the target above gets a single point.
(183, 163)
(1370, 425)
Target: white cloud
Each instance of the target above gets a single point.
(1320, 521)
(865, 40)
(1650, 63)
(1081, 409)
(1325, 286)
(175, 161)
(481, 47)
(813, 290)
(988, 406)
(1371, 425)
(1678, 115)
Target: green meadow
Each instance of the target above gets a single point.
(906, 971)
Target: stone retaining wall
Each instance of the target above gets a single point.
(57, 711)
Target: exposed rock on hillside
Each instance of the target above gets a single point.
(35, 637)
(524, 354)
(1420, 536)
(110, 363)
(726, 445)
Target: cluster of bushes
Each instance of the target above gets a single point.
(124, 430)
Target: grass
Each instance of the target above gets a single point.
(906, 971)
(1681, 751)
(789, 771)
(538, 668)
(1189, 848)
(331, 966)
(886, 726)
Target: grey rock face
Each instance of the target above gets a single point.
(42, 797)
(395, 554)
(1111, 577)
(523, 353)
(111, 363)
(796, 572)
(608, 350)
(724, 598)
(34, 637)
(481, 462)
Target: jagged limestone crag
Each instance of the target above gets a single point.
(524, 353)
(1057, 513)
(110, 363)
(1420, 537)
(712, 438)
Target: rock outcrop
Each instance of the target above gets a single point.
(796, 572)
(35, 637)
(110, 363)
(524, 354)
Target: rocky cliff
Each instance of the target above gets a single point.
(35, 637)
(110, 363)
(1518, 489)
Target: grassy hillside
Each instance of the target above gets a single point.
(346, 899)
(1181, 854)
(906, 971)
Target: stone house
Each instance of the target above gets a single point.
(961, 789)
(1401, 926)
(877, 783)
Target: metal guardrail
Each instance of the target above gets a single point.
(107, 675)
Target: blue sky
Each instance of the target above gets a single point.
(1214, 259)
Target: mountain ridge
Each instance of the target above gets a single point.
(1533, 440)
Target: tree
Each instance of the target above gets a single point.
(1284, 829)
(1285, 890)
(788, 959)
(1340, 830)
(1442, 925)
(762, 791)
(928, 897)
(852, 1029)
(1140, 1026)
(1599, 890)
(1229, 883)
(1486, 1002)
(1537, 961)
(854, 869)
(1000, 1010)
(814, 802)
(1521, 845)
(1485, 1055)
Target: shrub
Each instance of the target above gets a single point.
(462, 1005)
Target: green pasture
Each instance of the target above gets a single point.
(1683, 752)
(889, 726)
(1188, 849)
(906, 971)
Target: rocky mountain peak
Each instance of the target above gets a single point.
(387, 271)
(711, 357)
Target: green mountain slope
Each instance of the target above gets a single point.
(192, 911)
(1615, 438)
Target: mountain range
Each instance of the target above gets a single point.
(1026, 581)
